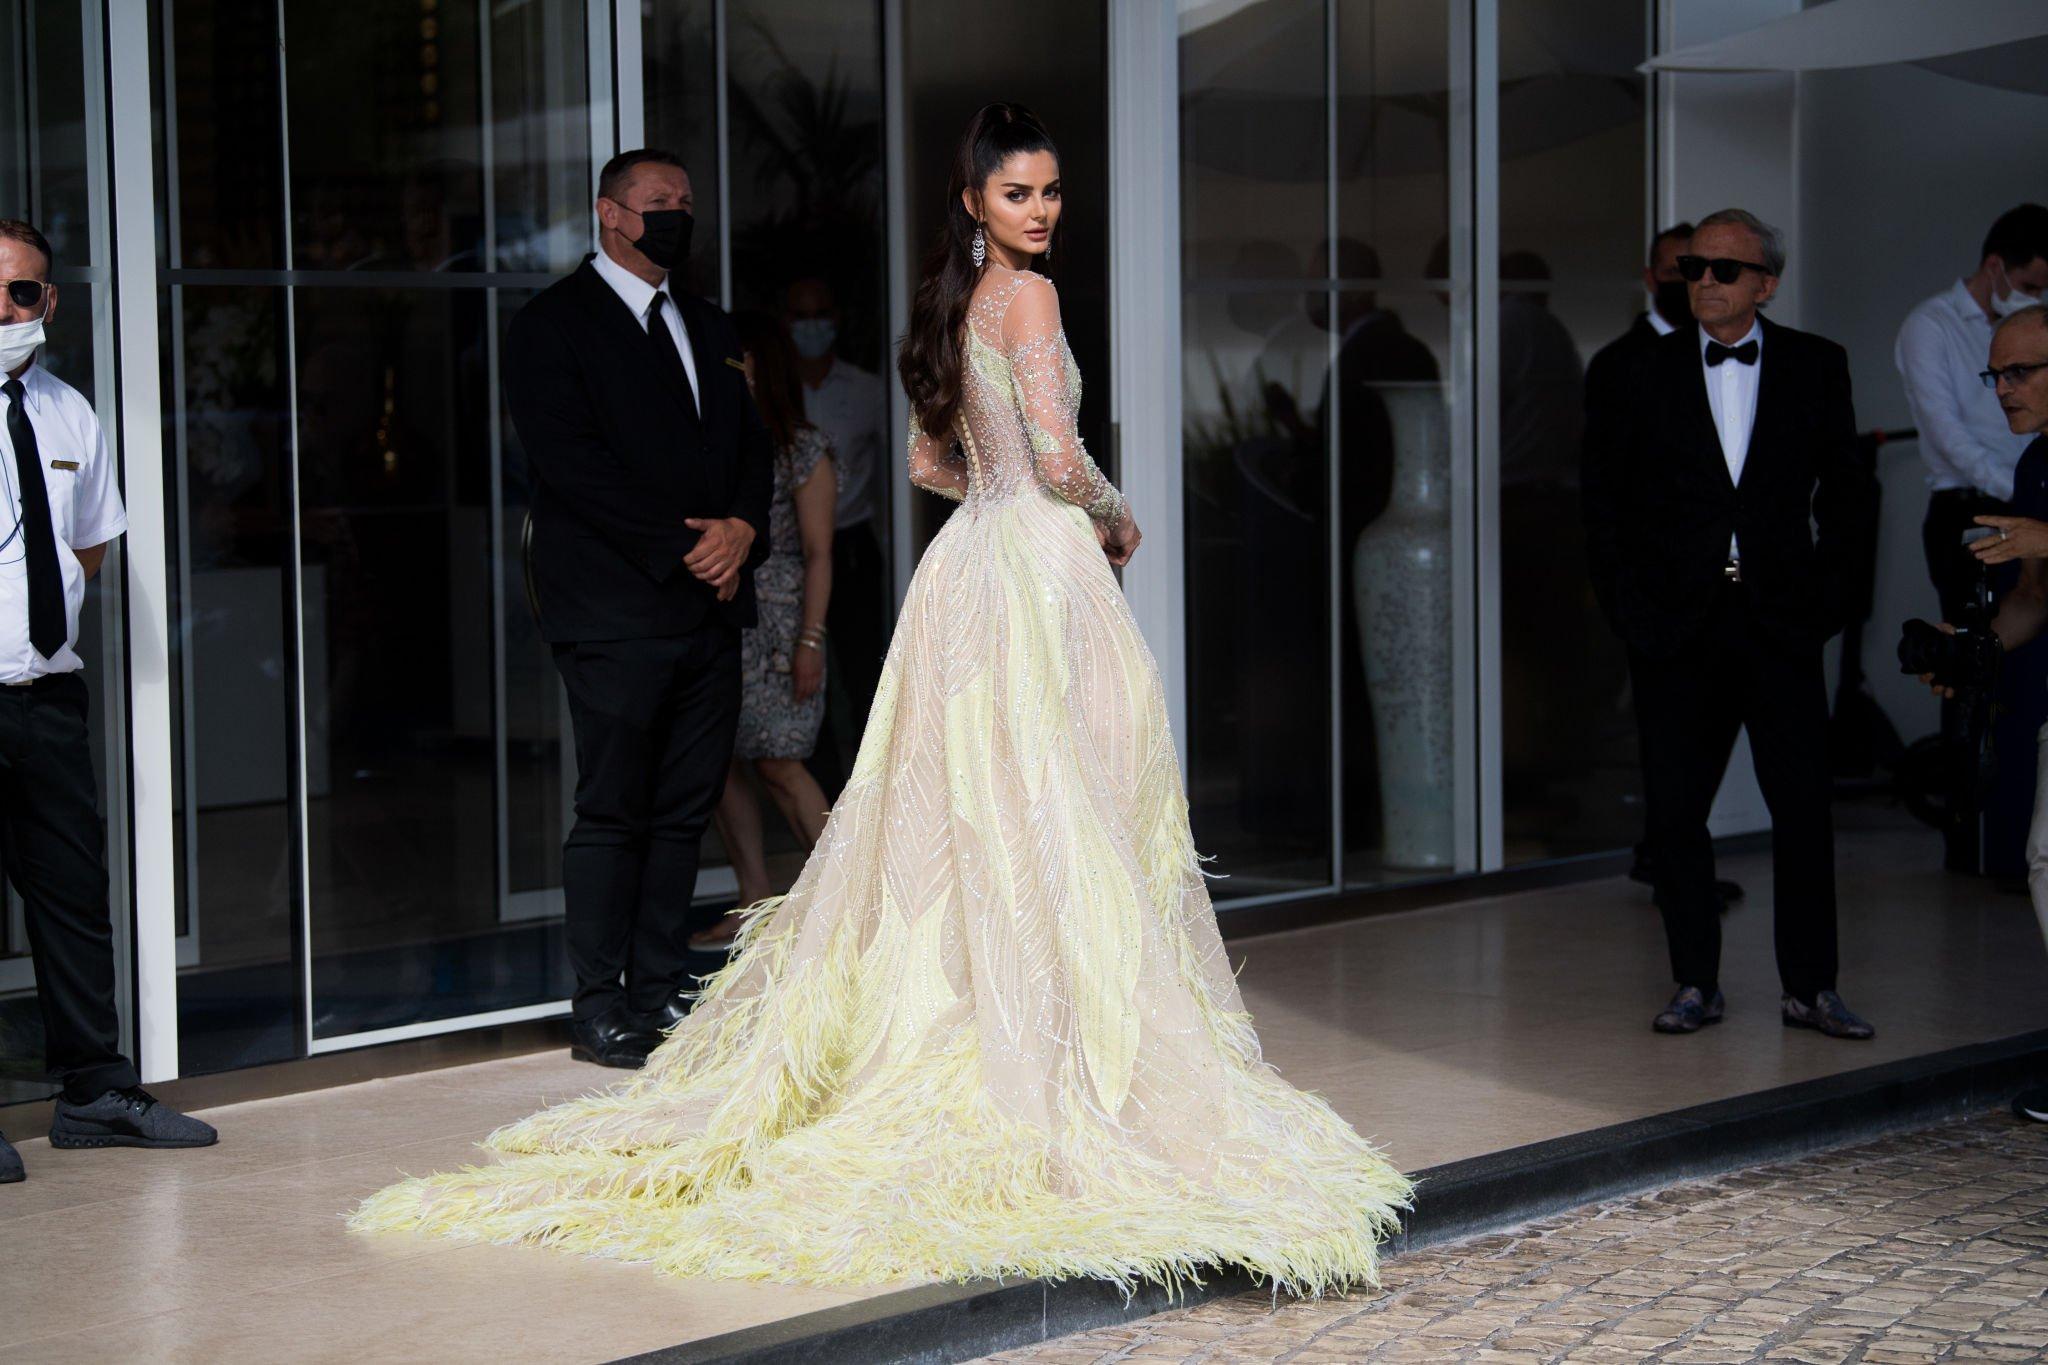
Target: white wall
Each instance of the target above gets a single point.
(1903, 171)
(1730, 142)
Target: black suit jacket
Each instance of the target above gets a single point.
(619, 457)
(1660, 506)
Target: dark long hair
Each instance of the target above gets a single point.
(778, 389)
(929, 360)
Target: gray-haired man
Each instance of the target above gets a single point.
(1702, 491)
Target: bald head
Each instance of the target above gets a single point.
(2019, 361)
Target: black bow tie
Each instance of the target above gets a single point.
(1745, 354)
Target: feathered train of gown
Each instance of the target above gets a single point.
(991, 1030)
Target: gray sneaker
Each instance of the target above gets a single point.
(127, 1118)
(1828, 1015)
(11, 1168)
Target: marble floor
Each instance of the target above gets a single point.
(1446, 1033)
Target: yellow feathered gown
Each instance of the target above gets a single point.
(991, 1030)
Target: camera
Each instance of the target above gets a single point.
(1966, 660)
(1960, 769)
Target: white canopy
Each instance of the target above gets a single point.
(1990, 42)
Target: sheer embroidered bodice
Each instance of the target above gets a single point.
(1020, 402)
(991, 1030)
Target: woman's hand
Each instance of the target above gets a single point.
(2017, 538)
(1120, 541)
(806, 672)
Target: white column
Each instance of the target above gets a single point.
(146, 558)
(1145, 341)
(628, 97)
(1486, 419)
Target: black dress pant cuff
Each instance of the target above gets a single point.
(83, 1087)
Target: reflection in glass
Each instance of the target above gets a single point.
(679, 64)
(1573, 236)
(1317, 442)
(233, 738)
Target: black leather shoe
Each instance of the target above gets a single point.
(1827, 1014)
(127, 1118)
(660, 1020)
(11, 1169)
(2031, 1105)
(614, 1039)
(1690, 1011)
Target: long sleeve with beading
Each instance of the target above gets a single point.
(936, 466)
(1048, 392)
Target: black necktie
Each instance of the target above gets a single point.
(665, 353)
(47, 627)
(1745, 354)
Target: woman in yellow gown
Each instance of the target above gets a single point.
(991, 1030)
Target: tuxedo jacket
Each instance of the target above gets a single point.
(1660, 506)
(619, 457)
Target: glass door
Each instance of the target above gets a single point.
(367, 727)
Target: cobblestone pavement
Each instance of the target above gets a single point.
(1924, 1246)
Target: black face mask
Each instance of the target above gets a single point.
(665, 236)
(1674, 303)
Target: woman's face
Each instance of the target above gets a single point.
(1020, 205)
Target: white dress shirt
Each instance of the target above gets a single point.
(639, 296)
(851, 408)
(85, 510)
(1731, 393)
(1942, 346)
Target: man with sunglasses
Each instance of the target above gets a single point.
(1736, 438)
(2018, 378)
(59, 510)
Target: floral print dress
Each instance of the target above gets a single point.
(773, 724)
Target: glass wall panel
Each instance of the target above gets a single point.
(228, 507)
(679, 65)
(406, 546)
(1573, 240)
(53, 177)
(354, 659)
(1315, 160)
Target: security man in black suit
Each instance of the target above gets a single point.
(1670, 309)
(651, 472)
(1702, 492)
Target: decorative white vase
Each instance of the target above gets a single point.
(1401, 583)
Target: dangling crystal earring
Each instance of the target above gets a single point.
(1048, 249)
(980, 247)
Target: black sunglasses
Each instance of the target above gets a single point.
(1726, 268)
(25, 293)
(2015, 375)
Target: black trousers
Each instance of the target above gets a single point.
(1690, 707)
(54, 852)
(857, 636)
(655, 721)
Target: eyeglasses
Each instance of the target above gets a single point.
(26, 293)
(2014, 375)
(1726, 268)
